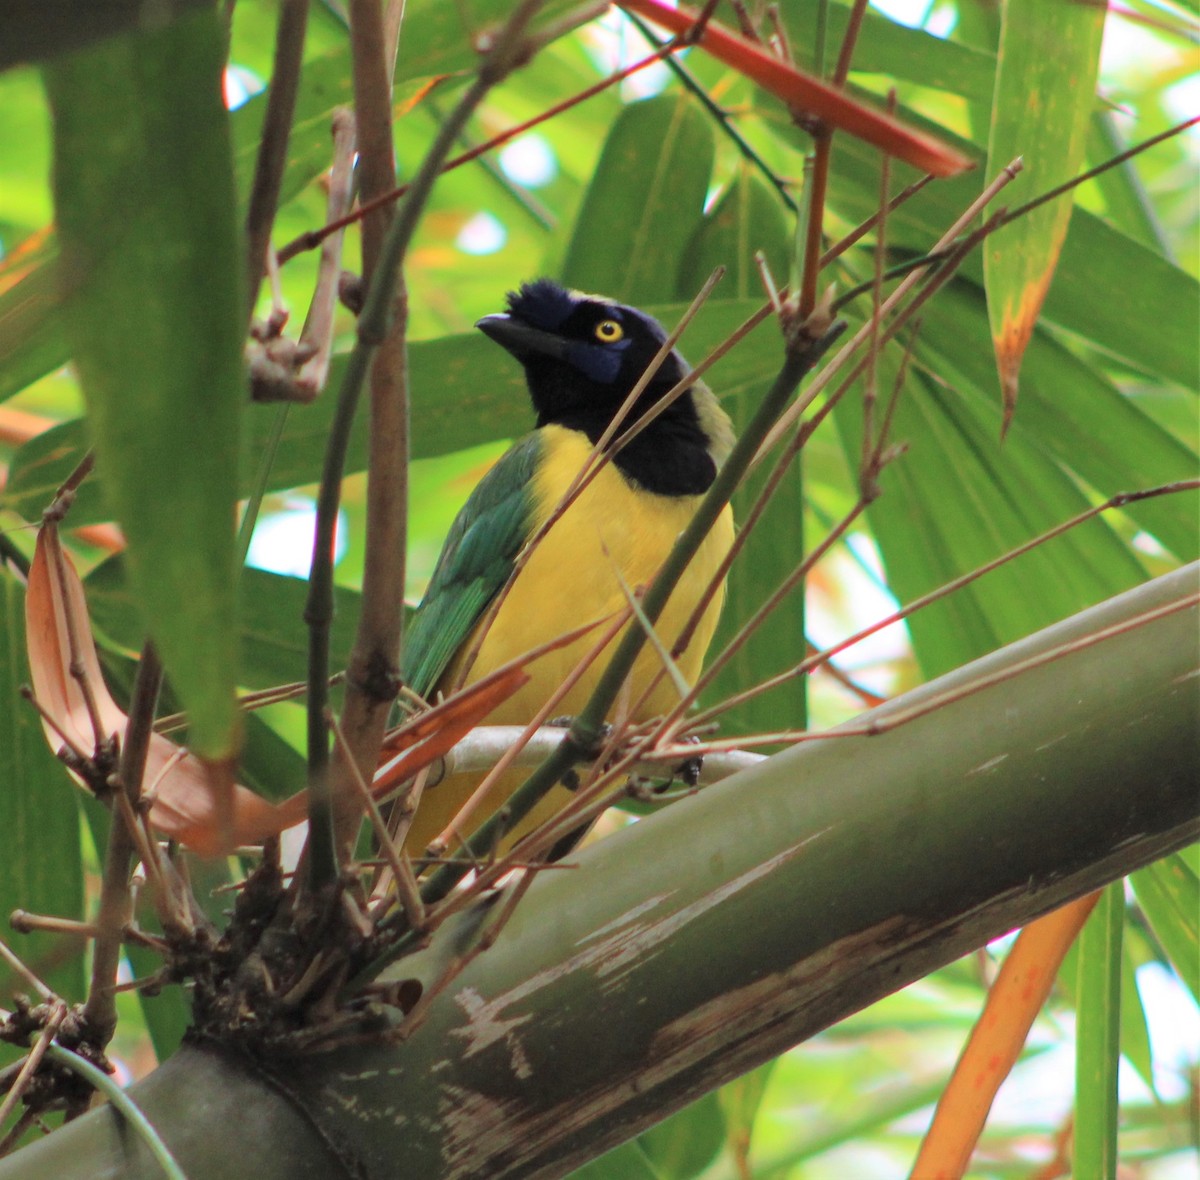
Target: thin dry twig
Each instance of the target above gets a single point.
(395, 857)
(31, 1063)
(866, 477)
(860, 231)
(895, 719)
(949, 240)
(17, 964)
(24, 922)
(765, 608)
(318, 325)
(710, 714)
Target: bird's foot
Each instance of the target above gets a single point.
(688, 771)
(588, 751)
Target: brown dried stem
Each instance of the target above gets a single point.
(372, 680)
(31, 1063)
(395, 857)
(272, 149)
(318, 325)
(18, 965)
(116, 902)
(819, 173)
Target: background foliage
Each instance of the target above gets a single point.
(639, 192)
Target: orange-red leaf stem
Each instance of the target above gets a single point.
(808, 93)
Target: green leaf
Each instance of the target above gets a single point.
(1046, 72)
(746, 219)
(33, 30)
(271, 765)
(1096, 257)
(41, 866)
(627, 1162)
(1071, 414)
(1190, 856)
(1097, 1037)
(1126, 200)
(687, 1142)
(272, 635)
(741, 1101)
(957, 499)
(154, 316)
(324, 86)
(1135, 1031)
(886, 47)
(39, 468)
(31, 338)
(1168, 892)
(644, 203)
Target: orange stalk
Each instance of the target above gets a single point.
(997, 1039)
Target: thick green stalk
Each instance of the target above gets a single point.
(724, 930)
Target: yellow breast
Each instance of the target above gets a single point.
(612, 532)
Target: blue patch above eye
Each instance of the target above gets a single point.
(599, 362)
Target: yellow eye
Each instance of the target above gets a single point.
(609, 331)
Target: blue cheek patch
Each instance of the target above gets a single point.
(598, 362)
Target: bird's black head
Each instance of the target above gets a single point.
(582, 355)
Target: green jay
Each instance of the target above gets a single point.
(582, 355)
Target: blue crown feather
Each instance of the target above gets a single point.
(541, 304)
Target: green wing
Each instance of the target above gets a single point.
(476, 560)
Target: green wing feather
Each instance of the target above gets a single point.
(476, 560)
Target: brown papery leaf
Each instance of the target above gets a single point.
(195, 801)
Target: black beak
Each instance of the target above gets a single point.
(520, 339)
